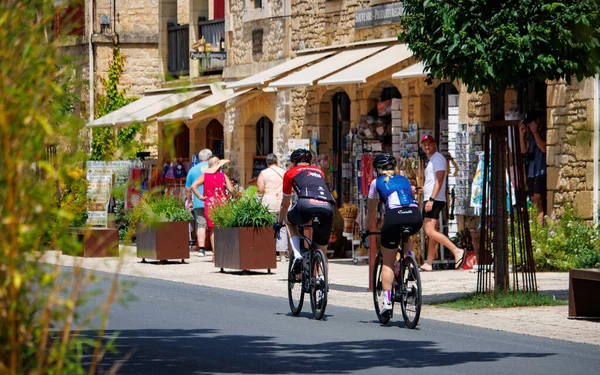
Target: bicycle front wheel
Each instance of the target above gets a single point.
(318, 285)
(384, 318)
(295, 288)
(411, 296)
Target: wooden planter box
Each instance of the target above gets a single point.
(245, 248)
(97, 242)
(168, 241)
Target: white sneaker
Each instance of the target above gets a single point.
(386, 306)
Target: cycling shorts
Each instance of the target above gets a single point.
(305, 209)
(395, 221)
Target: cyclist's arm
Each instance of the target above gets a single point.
(371, 212)
(283, 210)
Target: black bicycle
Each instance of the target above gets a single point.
(406, 288)
(312, 280)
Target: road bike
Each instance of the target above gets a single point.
(312, 280)
(406, 288)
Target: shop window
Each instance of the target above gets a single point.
(264, 136)
(257, 41)
(340, 183)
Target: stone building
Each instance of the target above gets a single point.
(313, 69)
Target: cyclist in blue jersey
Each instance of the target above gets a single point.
(402, 210)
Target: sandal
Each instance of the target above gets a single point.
(460, 262)
(426, 267)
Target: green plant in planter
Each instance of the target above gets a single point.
(245, 210)
(156, 209)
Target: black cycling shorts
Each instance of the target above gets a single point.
(394, 223)
(305, 209)
(437, 208)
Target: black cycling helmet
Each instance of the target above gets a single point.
(301, 155)
(384, 161)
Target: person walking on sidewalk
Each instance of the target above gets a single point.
(269, 184)
(196, 204)
(216, 185)
(401, 210)
(434, 193)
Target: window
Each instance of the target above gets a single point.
(264, 136)
(257, 41)
(257, 4)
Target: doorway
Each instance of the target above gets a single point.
(340, 185)
(214, 138)
(264, 136)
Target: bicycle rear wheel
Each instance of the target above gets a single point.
(411, 298)
(295, 288)
(318, 285)
(384, 318)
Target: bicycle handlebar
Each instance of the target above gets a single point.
(364, 235)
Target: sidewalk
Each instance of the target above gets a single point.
(349, 287)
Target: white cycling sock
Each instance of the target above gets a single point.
(387, 294)
(296, 246)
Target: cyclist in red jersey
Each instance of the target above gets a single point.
(314, 198)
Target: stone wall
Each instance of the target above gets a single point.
(570, 146)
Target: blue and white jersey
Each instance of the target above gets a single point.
(396, 192)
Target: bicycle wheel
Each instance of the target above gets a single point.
(411, 298)
(295, 288)
(318, 285)
(378, 291)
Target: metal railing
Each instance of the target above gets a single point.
(178, 49)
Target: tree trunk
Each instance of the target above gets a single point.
(498, 193)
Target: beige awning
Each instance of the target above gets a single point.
(161, 107)
(191, 110)
(417, 70)
(145, 108)
(361, 71)
(307, 77)
(278, 70)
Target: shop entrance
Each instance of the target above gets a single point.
(214, 138)
(264, 136)
(340, 186)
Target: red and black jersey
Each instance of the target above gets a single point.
(308, 182)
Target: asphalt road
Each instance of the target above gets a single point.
(175, 328)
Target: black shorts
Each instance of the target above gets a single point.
(394, 223)
(305, 209)
(438, 206)
(536, 185)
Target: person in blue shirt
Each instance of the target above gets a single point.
(196, 204)
(533, 147)
(401, 210)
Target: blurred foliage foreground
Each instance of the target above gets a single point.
(41, 308)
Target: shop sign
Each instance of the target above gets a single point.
(195, 55)
(295, 144)
(380, 15)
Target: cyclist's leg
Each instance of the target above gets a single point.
(390, 239)
(322, 233)
(294, 218)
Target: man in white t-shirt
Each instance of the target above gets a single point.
(434, 193)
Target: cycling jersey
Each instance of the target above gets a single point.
(308, 182)
(395, 193)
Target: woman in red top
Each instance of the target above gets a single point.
(215, 185)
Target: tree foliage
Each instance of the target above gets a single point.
(41, 315)
(105, 145)
(493, 45)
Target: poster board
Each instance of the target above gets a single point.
(295, 144)
(258, 164)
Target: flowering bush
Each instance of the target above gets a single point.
(244, 210)
(565, 243)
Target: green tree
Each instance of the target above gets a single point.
(494, 45)
(40, 309)
(105, 145)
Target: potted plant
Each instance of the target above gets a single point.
(162, 228)
(244, 239)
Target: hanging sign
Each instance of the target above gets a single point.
(200, 55)
(295, 144)
(378, 15)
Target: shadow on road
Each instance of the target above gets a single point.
(208, 352)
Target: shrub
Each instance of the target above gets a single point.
(245, 210)
(156, 209)
(565, 243)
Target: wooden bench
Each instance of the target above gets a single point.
(97, 242)
(584, 294)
